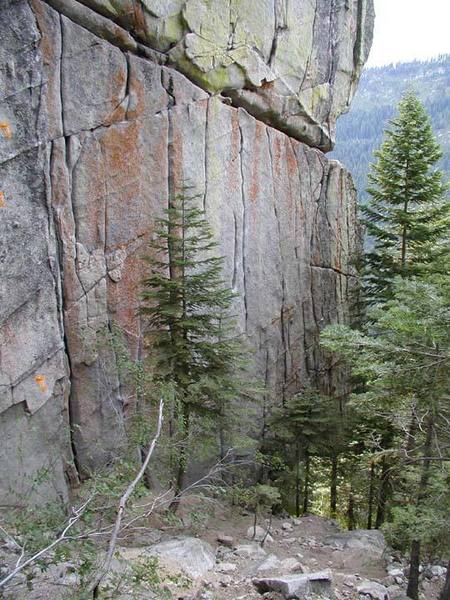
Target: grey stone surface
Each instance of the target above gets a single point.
(226, 567)
(269, 564)
(192, 556)
(371, 541)
(438, 571)
(291, 565)
(297, 587)
(93, 133)
(372, 590)
(34, 385)
(252, 551)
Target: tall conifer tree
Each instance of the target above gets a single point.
(190, 332)
(408, 212)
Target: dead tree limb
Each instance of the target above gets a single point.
(94, 587)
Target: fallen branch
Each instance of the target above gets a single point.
(94, 587)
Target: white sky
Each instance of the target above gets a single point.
(410, 29)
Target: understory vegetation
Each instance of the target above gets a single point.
(378, 457)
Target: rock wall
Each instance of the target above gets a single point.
(98, 124)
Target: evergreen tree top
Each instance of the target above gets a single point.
(408, 214)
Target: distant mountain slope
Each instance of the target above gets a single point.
(360, 131)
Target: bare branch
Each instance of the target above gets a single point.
(122, 504)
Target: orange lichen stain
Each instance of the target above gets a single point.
(40, 380)
(2, 200)
(6, 130)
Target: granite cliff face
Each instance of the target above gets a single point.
(106, 108)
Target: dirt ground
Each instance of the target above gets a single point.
(303, 541)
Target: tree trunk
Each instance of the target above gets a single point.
(333, 485)
(307, 472)
(222, 441)
(412, 430)
(414, 564)
(382, 493)
(297, 479)
(371, 495)
(404, 238)
(351, 511)
(263, 475)
(445, 594)
(182, 460)
(414, 560)
(255, 520)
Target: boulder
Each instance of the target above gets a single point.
(270, 563)
(192, 556)
(291, 565)
(249, 551)
(372, 590)
(225, 580)
(99, 130)
(269, 57)
(298, 587)
(438, 571)
(395, 572)
(370, 541)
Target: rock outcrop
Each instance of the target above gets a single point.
(107, 107)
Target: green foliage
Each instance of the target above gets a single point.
(265, 496)
(405, 361)
(427, 522)
(408, 214)
(258, 498)
(309, 424)
(272, 461)
(187, 307)
(360, 131)
(305, 419)
(187, 302)
(138, 576)
(408, 352)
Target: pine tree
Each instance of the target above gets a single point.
(407, 359)
(190, 333)
(407, 216)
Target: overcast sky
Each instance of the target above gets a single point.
(410, 29)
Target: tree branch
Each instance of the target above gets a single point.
(94, 587)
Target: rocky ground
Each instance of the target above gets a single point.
(217, 559)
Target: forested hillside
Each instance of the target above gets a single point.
(360, 131)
